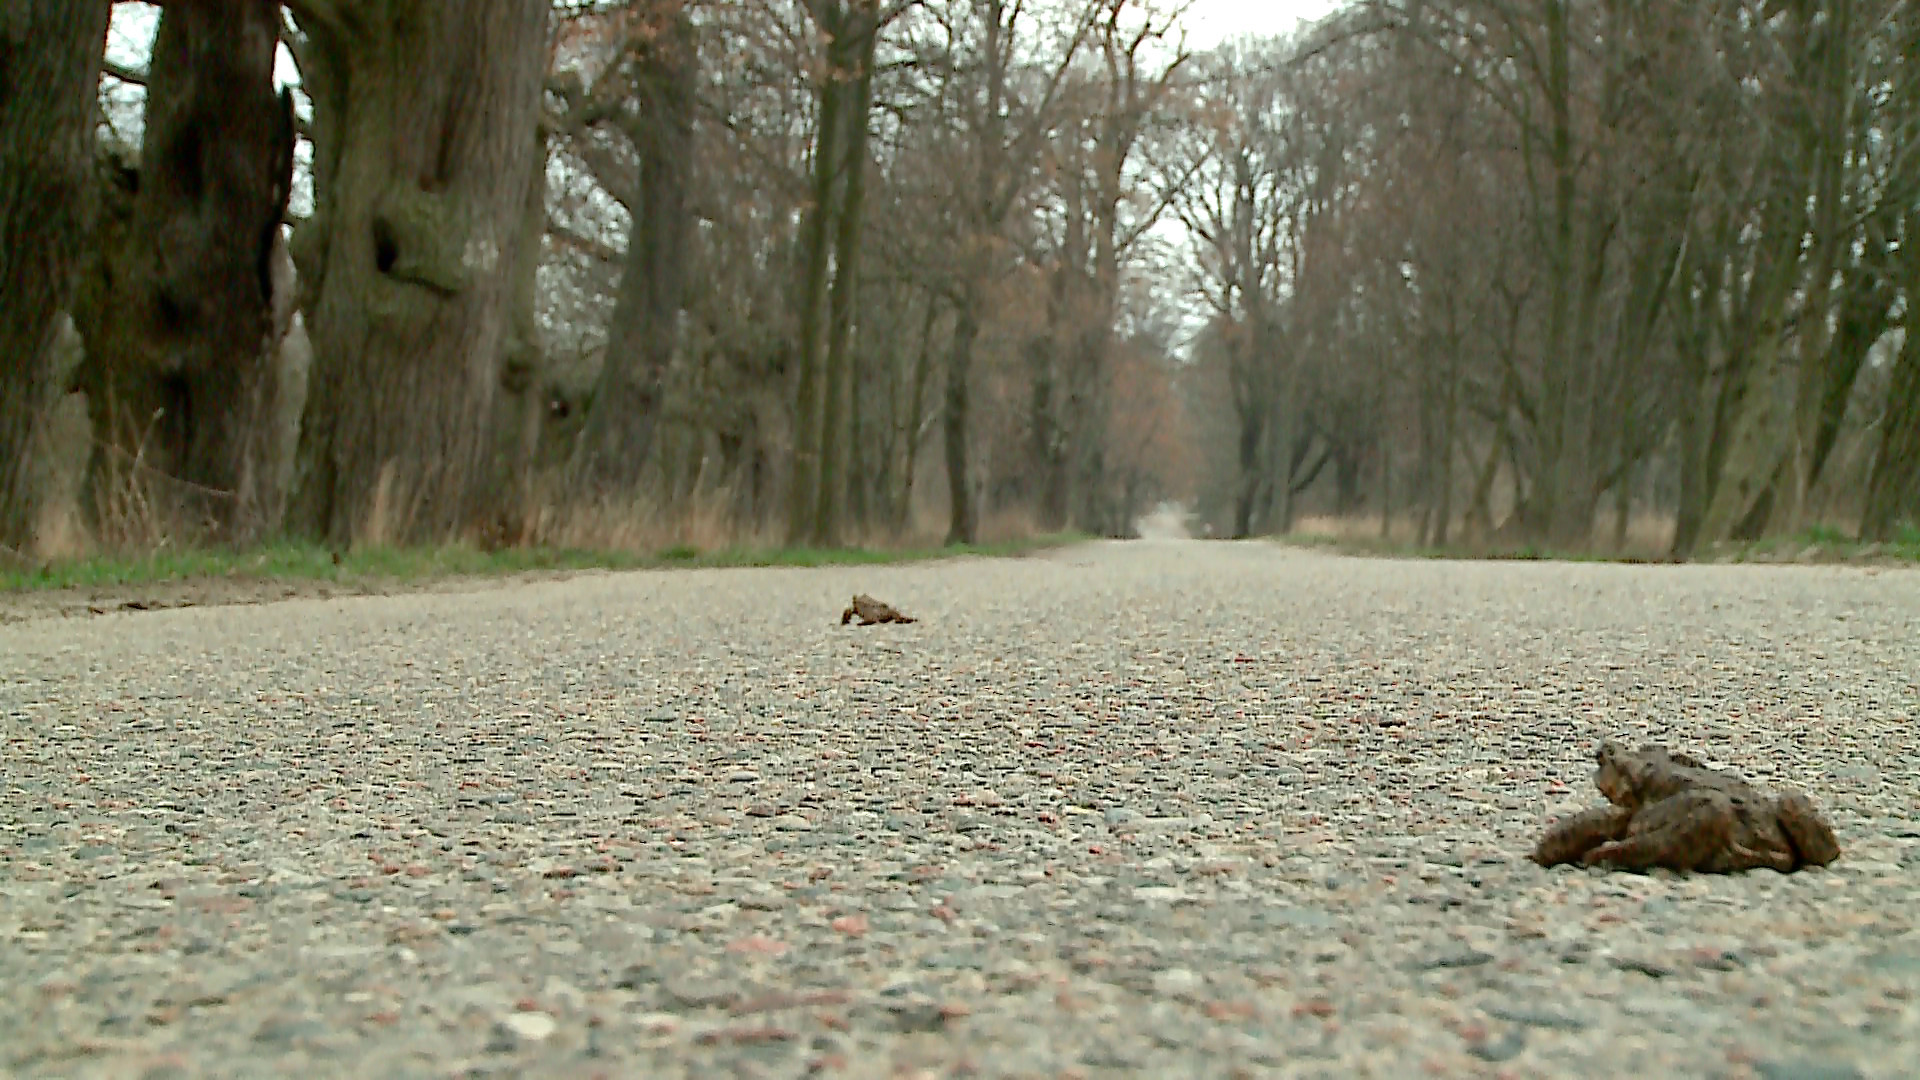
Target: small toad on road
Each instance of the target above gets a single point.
(872, 611)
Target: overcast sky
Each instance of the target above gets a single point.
(1208, 21)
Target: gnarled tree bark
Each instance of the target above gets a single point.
(50, 53)
(189, 289)
(424, 123)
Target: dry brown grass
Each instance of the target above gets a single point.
(1648, 535)
(703, 522)
(1007, 524)
(140, 512)
(131, 507)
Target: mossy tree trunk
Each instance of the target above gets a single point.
(424, 144)
(188, 289)
(50, 53)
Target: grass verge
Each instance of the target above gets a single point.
(307, 562)
(1815, 545)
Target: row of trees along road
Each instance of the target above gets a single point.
(1496, 267)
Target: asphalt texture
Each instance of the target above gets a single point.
(1165, 808)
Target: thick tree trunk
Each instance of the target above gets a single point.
(619, 432)
(189, 291)
(909, 430)
(424, 146)
(1046, 436)
(962, 527)
(1695, 301)
(520, 411)
(1346, 479)
(1246, 500)
(1386, 491)
(1691, 434)
(1893, 490)
(1559, 468)
(1057, 401)
(50, 54)
(816, 270)
(1087, 403)
(1449, 427)
(836, 474)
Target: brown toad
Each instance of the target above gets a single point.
(872, 611)
(1668, 809)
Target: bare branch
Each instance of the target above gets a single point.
(123, 73)
(568, 236)
(332, 16)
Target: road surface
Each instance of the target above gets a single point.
(1165, 808)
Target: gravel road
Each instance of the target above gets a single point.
(1166, 809)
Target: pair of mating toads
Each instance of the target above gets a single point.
(1668, 809)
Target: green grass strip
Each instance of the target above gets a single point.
(289, 561)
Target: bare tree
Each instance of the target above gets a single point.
(830, 262)
(1000, 108)
(649, 95)
(50, 54)
(1103, 213)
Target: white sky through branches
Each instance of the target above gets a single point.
(1211, 21)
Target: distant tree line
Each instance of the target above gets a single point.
(1534, 266)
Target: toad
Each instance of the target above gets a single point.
(872, 611)
(1666, 808)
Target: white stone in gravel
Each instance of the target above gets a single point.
(531, 1026)
(1176, 981)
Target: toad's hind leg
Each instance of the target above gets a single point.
(1812, 837)
(1682, 832)
(1580, 833)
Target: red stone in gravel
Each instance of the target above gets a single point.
(1230, 1010)
(764, 1033)
(758, 944)
(777, 1002)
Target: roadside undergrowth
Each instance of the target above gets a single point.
(288, 561)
